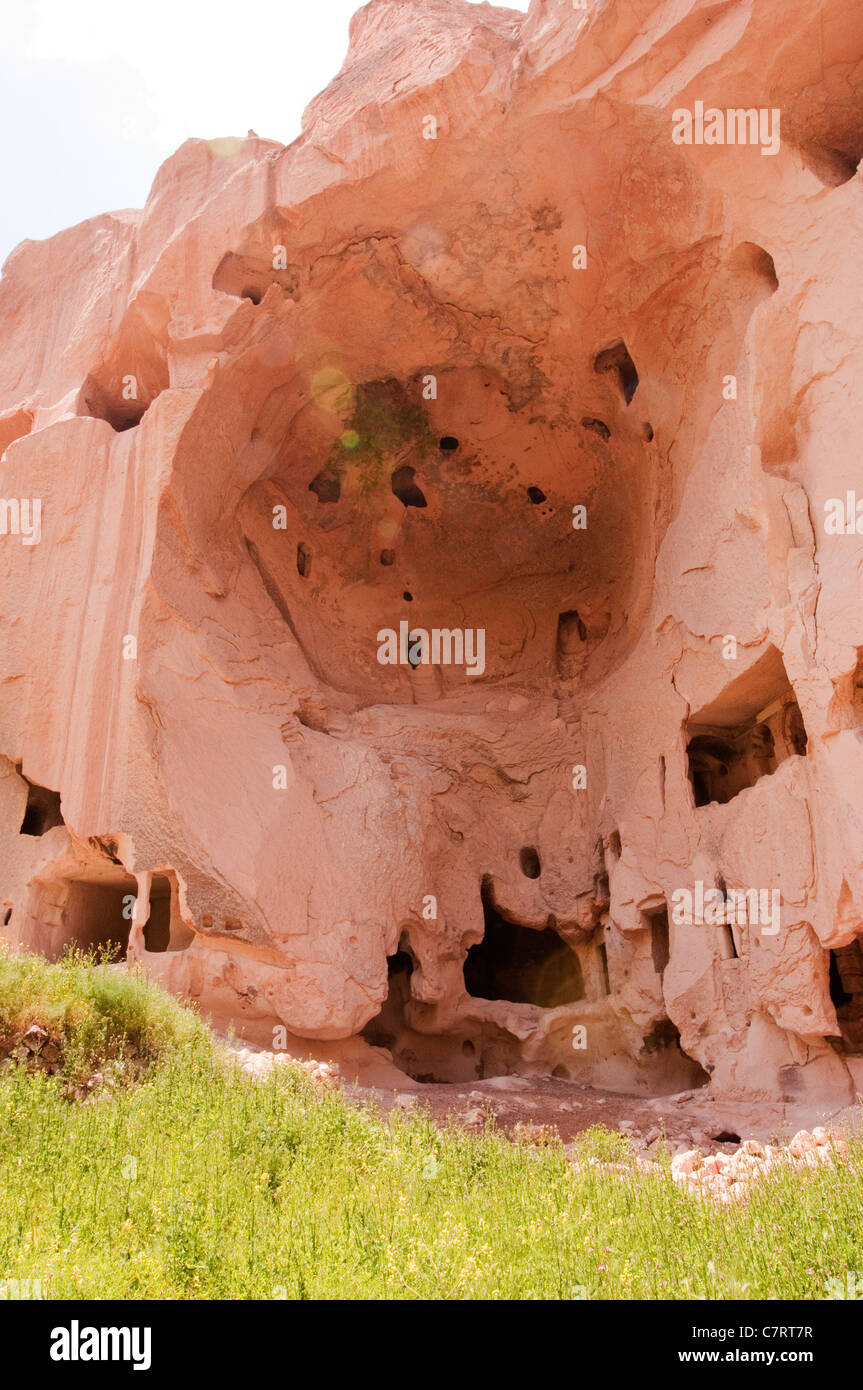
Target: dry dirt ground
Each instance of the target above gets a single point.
(685, 1120)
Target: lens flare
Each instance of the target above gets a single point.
(333, 391)
(227, 147)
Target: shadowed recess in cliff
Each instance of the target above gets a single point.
(617, 359)
(468, 1053)
(94, 913)
(134, 370)
(524, 965)
(846, 996)
(752, 726)
(43, 810)
(250, 276)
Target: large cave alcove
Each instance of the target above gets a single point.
(523, 965)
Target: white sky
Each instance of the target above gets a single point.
(95, 94)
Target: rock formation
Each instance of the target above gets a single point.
(431, 564)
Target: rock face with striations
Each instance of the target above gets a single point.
(430, 562)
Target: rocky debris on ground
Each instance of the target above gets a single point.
(730, 1177)
(326, 1074)
(39, 1050)
(707, 1156)
(259, 1064)
(35, 1048)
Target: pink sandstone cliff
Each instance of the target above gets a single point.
(313, 392)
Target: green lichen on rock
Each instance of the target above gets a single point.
(385, 427)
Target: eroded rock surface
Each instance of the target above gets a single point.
(485, 351)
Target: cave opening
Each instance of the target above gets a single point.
(846, 994)
(304, 561)
(655, 919)
(405, 489)
(617, 359)
(157, 928)
(536, 495)
(716, 770)
(603, 961)
(448, 443)
(751, 727)
(754, 261)
(124, 416)
(529, 862)
(522, 965)
(727, 943)
(42, 812)
(470, 1053)
(104, 399)
(383, 1030)
(668, 1059)
(96, 915)
(326, 486)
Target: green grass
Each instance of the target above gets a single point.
(199, 1183)
(93, 1009)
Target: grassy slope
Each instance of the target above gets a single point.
(198, 1183)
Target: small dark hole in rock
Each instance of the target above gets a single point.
(448, 443)
(529, 861)
(388, 557)
(304, 560)
(725, 1136)
(42, 812)
(326, 486)
(617, 359)
(405, 488)
(839, 996)
(536, 495)
(570, 631)
(402, 960)
(408, 597)
(254, 295)
(7, 916)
